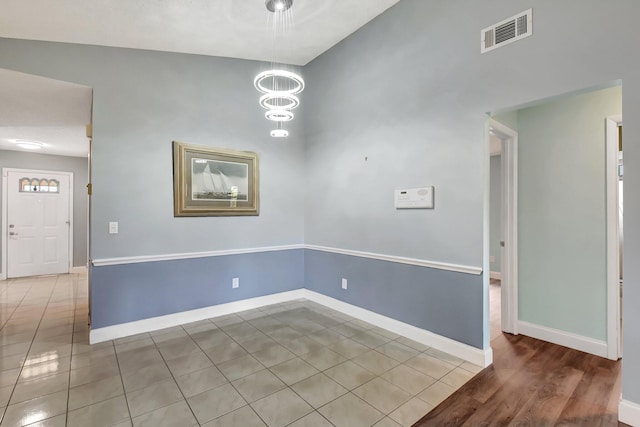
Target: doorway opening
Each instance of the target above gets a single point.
(615, 240)
(559, 256)
(503, 228)
(44, 139)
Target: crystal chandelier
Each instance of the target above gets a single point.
(278, 85)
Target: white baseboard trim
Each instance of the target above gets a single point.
(154, 323)
(471, 354)
(567, 339)
(629, 413)
(495, 275)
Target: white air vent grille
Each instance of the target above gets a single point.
(522, 24)
(505, 32)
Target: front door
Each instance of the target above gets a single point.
(38, 223)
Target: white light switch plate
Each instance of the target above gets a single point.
(113, 228)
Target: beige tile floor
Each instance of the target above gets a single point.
(292, 364)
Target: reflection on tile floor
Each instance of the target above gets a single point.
(292, 364)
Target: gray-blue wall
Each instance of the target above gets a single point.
(420, 296)
(80, 167)
(409, 92)
(403, 102)
(129, 292)
(144, 100)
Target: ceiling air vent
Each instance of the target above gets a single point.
(505, 32)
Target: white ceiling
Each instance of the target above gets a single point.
(57, 140)
(231, 28)
(55, 113)
(44, 110)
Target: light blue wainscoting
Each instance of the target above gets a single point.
(444, 302)
(129, 292)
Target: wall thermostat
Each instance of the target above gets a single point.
(414, 198)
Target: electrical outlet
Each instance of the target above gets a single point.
(344, 283)
(235, 283)
(113, 228)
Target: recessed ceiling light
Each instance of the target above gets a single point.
(27, 144)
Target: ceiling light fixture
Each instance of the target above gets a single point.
(278, 85)
(278, 5)
(28, 145)
(279, 133)
(270, 102)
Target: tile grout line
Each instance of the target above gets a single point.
(287, 386)
(276, 313)
(349, 391)
(70, 371)
(155, 344)
(15, 385)
(73, 331)
(124, 390)
(250, 354)
(222, 373)
(17, 305)
(10, 282)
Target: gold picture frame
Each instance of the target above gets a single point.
(211, 181)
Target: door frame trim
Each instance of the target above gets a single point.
(614, 350)
(5, 213)
(509, 232)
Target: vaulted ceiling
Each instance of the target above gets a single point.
(56, 112)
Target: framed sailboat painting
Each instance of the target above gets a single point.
(214, 181)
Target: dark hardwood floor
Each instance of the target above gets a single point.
(533, 383)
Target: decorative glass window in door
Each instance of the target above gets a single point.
(33, 185)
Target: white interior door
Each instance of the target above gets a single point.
(38, 219)
(509, 232)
